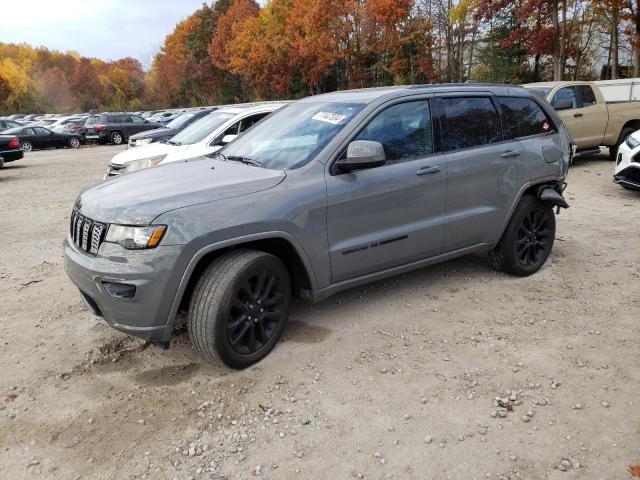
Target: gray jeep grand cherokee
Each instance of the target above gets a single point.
(330, 192)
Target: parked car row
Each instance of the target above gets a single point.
(108, 127)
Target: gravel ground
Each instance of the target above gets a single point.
(451, 372)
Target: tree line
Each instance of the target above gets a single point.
(237, 50)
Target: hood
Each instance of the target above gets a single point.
(137, 198)
(146, 151)
(156, 132)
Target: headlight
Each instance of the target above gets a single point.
(144, 141)
(143, 163)
(632, 142)
(135, 238)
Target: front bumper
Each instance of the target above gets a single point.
(627, 170)
(155, 273)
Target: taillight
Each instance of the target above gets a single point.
(13, 143)
(100, 128)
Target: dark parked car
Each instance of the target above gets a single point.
(9, 149)
(6, 123)
(116, 128)
(176, 125)
(39, 137)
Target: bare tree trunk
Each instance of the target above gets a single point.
(557, 42)
(563, 38)
(636, 57)
(615, 18)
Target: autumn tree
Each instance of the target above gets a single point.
(229, 25)
(55, 91)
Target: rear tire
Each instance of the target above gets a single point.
(1, 162)
(74, 142)
(26, 146)
(528, 239)
(613, 149)
(116, 138)
(239, 308)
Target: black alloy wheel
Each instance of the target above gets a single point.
(533, 240)
(256, 312)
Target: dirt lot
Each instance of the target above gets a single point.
(398, 379)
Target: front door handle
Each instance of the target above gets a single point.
(577, 115)
(428, 170)
(510, 153)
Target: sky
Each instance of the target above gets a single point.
(106, 29)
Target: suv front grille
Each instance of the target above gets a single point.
(86, 234)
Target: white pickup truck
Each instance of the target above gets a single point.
(592, 121)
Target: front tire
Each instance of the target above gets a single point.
(116, 138)
(26, 146)
(528, 239)
(239, 308)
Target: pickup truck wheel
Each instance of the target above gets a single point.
(528, 239)
(239, 308)
(613, 149)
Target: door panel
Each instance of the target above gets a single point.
(391, 215)
(384, 217)
(594, 124)
(484, 171)
(482, 184)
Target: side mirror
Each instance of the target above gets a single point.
(564, 104)
(362, 154)
(227, 139)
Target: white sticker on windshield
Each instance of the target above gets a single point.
(329, 117)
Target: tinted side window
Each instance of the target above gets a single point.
(567, 93)
(42, 132)
(588, 97)
(522, 117)
(113, 119)
(137, 119)
(404, 130)
(468, 122)
(250, 121)
(28, 131)
(232, 130)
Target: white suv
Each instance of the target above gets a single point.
(203, 137)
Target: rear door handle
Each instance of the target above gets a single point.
(577, 115)
(510, 153)
(428, 170)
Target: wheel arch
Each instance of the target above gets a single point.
(280, 244)
(635, 124)
(533, 189)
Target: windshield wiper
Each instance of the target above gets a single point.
(247, 160)
(171, 142)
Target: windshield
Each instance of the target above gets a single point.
(543, 90)
(201, 129)
(293, 136)
(180, 120)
